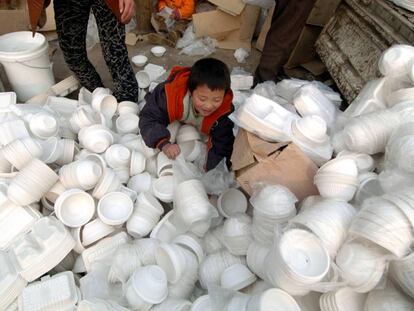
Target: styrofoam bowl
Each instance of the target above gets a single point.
(237, 277)
(127, 123)
(137, 164)
(187, 133)
(141, 182)
(165, 230)
(125, 107)
(150, 283)
(304, 254)
(94, 231)
(362, 266)
(115, 208)
(139, 60)
(143, 79)
(340, 191)
(158, 50)
(105, 103)
(117, 155)
(44, 125)
(202, 303)
(75, 207)
(273, 299)
(140, 224)
(192, 243)
(171, 259)
(163, 188)
(344, 166)
(231, 202)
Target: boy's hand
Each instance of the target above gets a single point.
(127, 10)
(176, 14)
(171, 151)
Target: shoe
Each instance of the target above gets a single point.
(158, 39)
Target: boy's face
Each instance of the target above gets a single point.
(207, 101)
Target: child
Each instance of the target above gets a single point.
(200, 96)
(171, 20)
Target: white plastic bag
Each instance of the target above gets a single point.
(95, 284)
(200, 47)
(187, 38)
(219, 179)
(125, 262)
(92, 36)
(240, 55)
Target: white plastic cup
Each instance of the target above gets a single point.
(115, 208)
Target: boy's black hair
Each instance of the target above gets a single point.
(211, 72)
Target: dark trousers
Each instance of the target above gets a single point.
(288, 20)
(71, 24)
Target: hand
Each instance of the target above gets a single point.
(176, 14)
(127, 10)
(171, 151)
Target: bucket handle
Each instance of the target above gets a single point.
(34, 67)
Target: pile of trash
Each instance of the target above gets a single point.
(93, 219)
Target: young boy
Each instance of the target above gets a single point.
(200, 96)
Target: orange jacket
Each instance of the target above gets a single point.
(185, 7)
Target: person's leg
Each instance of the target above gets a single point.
(112, 36)
(288, 20)
(71, 25)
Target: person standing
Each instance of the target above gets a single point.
(288, 20)
(71, 18)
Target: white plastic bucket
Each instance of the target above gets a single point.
(26, 62)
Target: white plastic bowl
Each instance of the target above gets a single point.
(115, 208)
(139, 60)
(158, 51)
(143, 79)
(231, 202)
(237, 277)
(75, 207)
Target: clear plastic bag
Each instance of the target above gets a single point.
(187, 38)
(399, 152)
(92, 36)
(200, 47)
(240, 55)
(95, 284)
(219, 179)
(125, 262)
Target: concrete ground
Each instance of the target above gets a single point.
(170, 59)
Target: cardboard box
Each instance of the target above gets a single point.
(215, 24)
(242, 37)
(232, 32)
(14, 20)
(265, 29)
(255, 160)
(304, 50)
(233, 7)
